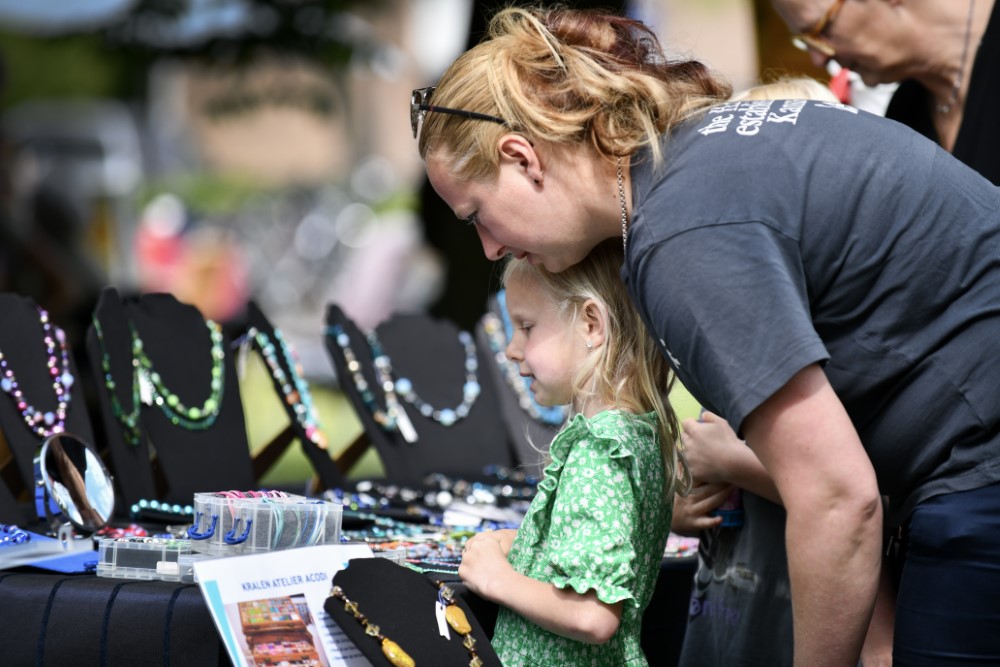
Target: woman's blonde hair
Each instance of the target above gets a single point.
(563, 77)
(629, 370)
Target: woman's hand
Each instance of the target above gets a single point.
(691, 513)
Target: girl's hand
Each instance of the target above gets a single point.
(691, 514)
(709, 446)
(504, 536)
(484, 561)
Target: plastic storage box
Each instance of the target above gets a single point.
(228, 526)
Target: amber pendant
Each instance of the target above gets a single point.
(457, 620)
(397, 656)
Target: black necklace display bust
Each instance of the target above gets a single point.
(401, 603)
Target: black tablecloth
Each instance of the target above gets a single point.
(80, 620)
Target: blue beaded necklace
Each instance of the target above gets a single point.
(393, 418)
(551, 415)
(404, 386)
(294, 388)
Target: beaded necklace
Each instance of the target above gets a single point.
(129, 419)
(47, 423)
(390, 649)
(456, 618)
(153, 392)
(295, 389)
(404, 386)
(393, 418)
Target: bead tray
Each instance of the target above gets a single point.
(231, 526)
(144, 558)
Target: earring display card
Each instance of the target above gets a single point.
(268, 607)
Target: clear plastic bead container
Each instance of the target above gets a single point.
(139, 557)
(228, 526)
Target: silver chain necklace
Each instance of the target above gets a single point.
(621, 200)
(957, 86)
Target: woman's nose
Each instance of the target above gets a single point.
(494, 251)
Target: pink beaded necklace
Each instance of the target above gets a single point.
(49, 422)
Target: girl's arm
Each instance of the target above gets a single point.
(582, 617)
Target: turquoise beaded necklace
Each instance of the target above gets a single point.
(294, 389)
(393, 418)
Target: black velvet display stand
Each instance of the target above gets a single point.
(177, 341)
(522, 428)
(428, 352)
(401, 603)
(23, 347)
(326, 468)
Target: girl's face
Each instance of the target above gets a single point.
(546, 346)
(539, 215)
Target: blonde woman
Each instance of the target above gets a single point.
(824, 279)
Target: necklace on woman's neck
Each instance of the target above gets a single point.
(621, 201)
(957, 84)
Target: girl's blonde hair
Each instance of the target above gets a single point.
(563, 77)
(789, 88)
(629, 370)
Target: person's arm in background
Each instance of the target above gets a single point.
(716, 457)
(807, 442)
(718, 460)
(693, 512)
(877, 651)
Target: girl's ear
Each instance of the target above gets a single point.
(515, 149)
(593, 323)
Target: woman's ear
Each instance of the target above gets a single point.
(593, 323)
(515, 149)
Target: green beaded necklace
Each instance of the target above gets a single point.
(129, 419)
(152, 391)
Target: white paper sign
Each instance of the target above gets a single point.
(268, 607)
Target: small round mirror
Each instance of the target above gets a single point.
(72, 484)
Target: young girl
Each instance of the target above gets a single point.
(573, 581)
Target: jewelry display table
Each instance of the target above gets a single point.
(52, 620)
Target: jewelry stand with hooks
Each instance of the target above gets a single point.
(428, 353)
(23, 345)
(204, 448)
(402, 604)
(313, 442)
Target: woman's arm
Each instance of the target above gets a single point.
(807, 442)
(582, 617)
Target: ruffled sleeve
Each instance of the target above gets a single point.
(594, 513)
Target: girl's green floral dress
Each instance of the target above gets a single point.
(600, 520)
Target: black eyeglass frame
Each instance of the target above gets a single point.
(419, 107)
